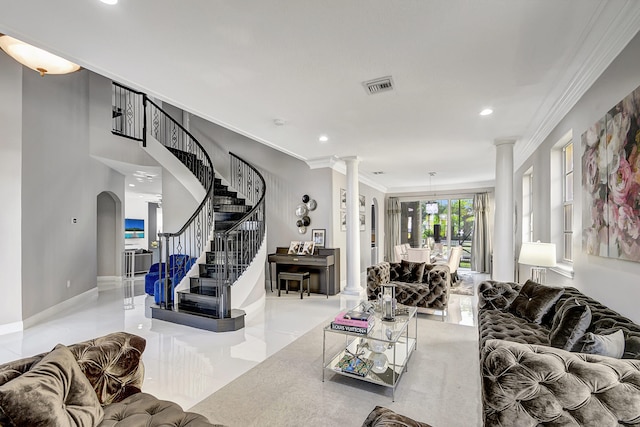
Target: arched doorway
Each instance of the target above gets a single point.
(109, 236)
(375, 231)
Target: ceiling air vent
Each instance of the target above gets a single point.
(382, 84)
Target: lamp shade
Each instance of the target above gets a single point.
(538, 254)
(35, 58)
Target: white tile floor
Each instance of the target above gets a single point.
(184, 364)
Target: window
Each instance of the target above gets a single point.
(567, 202)
(527, 206)
(438, 223)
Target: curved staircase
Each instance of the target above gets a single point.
(221, 238)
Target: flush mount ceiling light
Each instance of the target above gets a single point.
(35, 58)
(323, 138)
(486, 112)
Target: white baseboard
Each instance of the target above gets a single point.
(58, 308)
(106, 283)
(10, 328)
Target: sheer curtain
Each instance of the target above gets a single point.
(481, 245)
(392, 228)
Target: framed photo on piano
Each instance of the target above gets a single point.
(318, 236)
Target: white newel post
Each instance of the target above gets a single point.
(503, 255)
(353, 228)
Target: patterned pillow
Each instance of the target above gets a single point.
(395, 271)
(411, 271)
(570, 323)
(53, 392)
(383, 417)
(535, 300)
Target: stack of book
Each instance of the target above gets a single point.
(354, 321)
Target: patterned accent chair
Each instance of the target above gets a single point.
(417, 284)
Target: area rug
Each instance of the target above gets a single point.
(465, 284)
(441, 386)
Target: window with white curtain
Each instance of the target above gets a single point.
(567, 202)
(527, 206)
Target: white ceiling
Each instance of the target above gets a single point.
(244, 64)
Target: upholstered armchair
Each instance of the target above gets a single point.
(179, 265)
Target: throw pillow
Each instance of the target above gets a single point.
(53, 392)
(611, 345)
(383, 417)
(570, 323)
(535, 300)
(395, 271)
(412, 271)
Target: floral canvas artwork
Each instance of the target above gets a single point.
(611, 182)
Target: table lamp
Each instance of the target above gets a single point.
(539, 256)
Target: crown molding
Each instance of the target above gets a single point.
(337, 164)
(598, 57)
(464, 186)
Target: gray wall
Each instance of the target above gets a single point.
(56, 180)
(287, 180)
(10, 190)
(613, 282)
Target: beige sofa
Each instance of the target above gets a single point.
(92, 383)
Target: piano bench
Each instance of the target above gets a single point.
(300, 276)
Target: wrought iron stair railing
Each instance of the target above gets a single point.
(235, 242)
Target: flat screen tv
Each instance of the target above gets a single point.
(133, 228)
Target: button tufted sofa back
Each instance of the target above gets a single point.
(111, 363)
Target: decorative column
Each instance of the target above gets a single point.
(353, 228)
(503, 249)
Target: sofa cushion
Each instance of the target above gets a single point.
(143, 409)
(570, 323)
(535, 300)
(611, 345)
(384, 417)
(54, 392)
(497, 295)
(498, 324)
(112, 364)
(412, 272)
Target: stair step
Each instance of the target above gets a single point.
(216, 271)
(220, 192)
(227, 200)
(202, 303)
(228, 216)
(232, 208)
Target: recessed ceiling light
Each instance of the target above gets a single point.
(279, 122)
(132, 185)
(486, 112)
(323, 138)
(109, 1)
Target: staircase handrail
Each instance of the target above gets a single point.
(208, 188)
(256, 205)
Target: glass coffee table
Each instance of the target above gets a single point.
(382, 354)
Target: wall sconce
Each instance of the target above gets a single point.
(37, 59)
(539, 255)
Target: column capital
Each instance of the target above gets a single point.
(350, 159)
(506, 141)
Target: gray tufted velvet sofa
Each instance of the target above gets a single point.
(92, 383)
(528, 382)
(419, 285)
